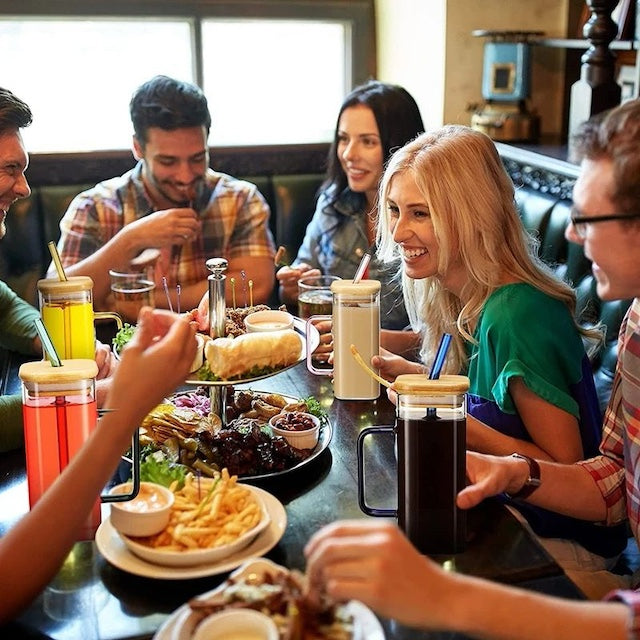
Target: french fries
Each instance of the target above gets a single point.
(207, 513)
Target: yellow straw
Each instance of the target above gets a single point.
(251, 293)
(233, 291)
(56, 261)
(367, 368)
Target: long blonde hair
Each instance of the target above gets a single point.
(470, 196)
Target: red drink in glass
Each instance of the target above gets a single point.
(58, 418)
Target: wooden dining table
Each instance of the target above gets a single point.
(116, 604)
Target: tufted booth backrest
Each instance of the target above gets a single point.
(295, 198)
(34, 221)
(547, 217)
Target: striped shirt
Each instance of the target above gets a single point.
(617, 470)
(233, 213)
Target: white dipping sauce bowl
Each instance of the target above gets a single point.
(268, 320)
(147, 514)
(237, 624)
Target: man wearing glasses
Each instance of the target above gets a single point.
(580, 222)
(376, 564)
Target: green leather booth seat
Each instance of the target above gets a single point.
(546, 218)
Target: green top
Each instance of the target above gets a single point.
(17, 328)
(523, 332)
(17, 332)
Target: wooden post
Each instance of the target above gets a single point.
(597, 89)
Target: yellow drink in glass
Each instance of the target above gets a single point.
(70, 327)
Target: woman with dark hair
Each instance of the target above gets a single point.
(374, 120)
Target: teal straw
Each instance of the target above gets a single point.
(47, 344)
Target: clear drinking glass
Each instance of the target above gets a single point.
(314, 296)
(431, 444)
(66, 307)
(59, 412)
(131, 292)
(355, 320)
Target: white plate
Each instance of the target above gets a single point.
(299, 326)
(181, 623)
(114, 550)
(198, 557)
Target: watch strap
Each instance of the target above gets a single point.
(532, 482)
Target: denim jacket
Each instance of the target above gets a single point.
(335, 242)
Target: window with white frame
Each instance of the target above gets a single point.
(273, 81)
(269, 79)
(79, 90)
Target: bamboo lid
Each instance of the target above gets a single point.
(362, 288)
(43, 372)
(420, 384)
(73, 284)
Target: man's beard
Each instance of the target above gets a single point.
(160, 188)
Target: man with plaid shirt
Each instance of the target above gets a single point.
(173, 203)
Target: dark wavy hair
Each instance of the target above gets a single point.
(14, 113)
(168, 104)
(397, 116)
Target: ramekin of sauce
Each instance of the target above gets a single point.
(146, 514)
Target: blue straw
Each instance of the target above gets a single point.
(441, 355)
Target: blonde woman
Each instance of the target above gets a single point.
(470, 269)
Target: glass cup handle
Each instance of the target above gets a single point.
(312, 369)
(364, 507)
(104, 315)
(135, 472)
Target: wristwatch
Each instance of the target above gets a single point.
(532, 482)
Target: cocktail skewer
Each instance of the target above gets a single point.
(251, 293)
(243, 277)
(166, 292)
(232, 281)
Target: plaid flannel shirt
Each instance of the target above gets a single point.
(617, 470)
(234, 216)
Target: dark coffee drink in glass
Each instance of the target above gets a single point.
(431, 472)
(430, 430)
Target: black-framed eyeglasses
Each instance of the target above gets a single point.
(580, 222)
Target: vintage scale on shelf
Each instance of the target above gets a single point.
(504, 115)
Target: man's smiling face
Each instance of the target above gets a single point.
(612, 246)
(13, 163)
